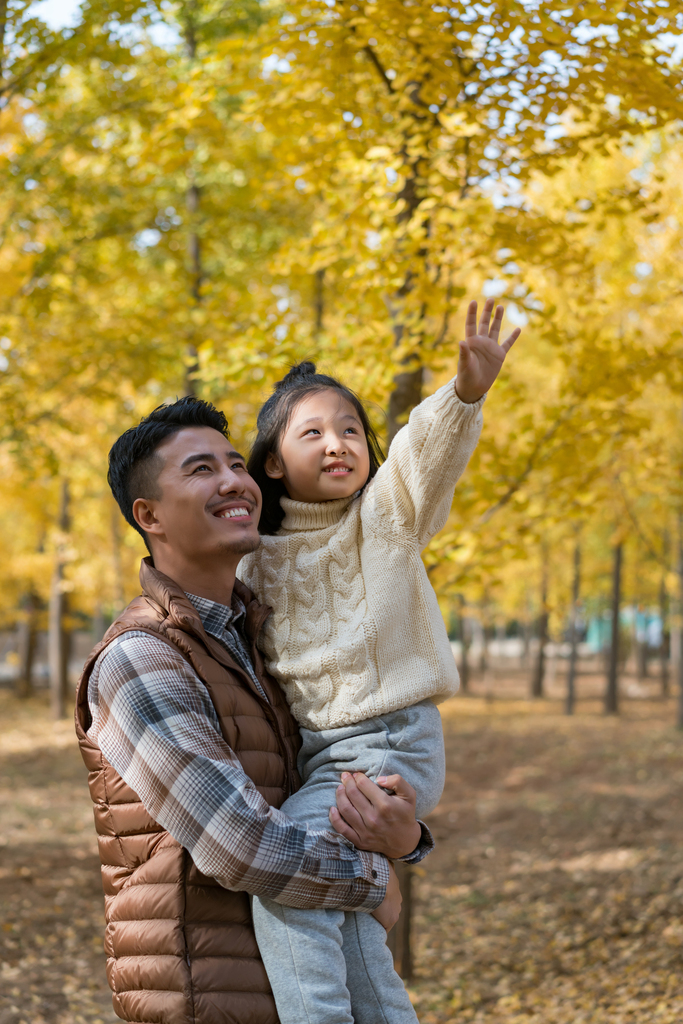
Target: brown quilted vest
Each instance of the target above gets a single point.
(181, 948)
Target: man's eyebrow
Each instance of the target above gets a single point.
(199, 457)
(208, 457)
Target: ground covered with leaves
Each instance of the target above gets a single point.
(555, 894)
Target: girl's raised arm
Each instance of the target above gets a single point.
(413, 491)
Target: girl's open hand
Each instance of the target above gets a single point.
(481, 357)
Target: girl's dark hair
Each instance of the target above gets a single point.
(273, 419)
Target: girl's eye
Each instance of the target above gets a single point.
(313, 430)
(350, 430)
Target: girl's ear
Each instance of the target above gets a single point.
(273, 467)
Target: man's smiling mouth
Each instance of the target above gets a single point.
(232, 513)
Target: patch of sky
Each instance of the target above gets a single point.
(612, 103)
(516, 316)
(57, 14)
(146, 239)
(643, 269)
(281, 332)
(392, 176)
(65, 14)
(586, 32)
(493, 287)
(30, 184)
(282, 305)
(273, 62)
(373, 239)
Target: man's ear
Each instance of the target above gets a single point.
(145, 516)
(273, 467)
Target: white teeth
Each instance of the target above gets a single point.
(230, 513)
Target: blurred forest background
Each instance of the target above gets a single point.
(196, 194)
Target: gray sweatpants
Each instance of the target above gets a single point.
(327, 966)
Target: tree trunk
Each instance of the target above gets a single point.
(574, 636)
(663, 646)
(679, 625)
(538, 674)
(3, 28)
(465, 639)
(484, 649)
(399, 938)
(26, 646)
(119, 594)
(99, 627)
(640, 642)
(406, 395)
(194, 252)
(612, 691)
(526, 630)
(58, 641)
(319, 300)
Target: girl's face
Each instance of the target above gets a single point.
(323, 452)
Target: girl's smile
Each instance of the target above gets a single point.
(323, 454)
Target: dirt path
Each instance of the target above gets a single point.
(555, 895)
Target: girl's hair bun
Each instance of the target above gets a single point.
(297, 374)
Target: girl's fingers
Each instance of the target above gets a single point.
(510, 340)
(485, 317)
(465, 355)
(497, 323)
(471, 320)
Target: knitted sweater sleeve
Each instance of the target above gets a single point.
(413, 490)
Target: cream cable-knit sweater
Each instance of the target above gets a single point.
(356, 629)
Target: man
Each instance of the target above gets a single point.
(191, 749)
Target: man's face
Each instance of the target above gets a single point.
(207, 505)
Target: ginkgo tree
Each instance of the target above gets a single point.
(415, 129)
(197, 194)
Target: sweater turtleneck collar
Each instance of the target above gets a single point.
(313, 515)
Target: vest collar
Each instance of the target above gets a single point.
(177, 607)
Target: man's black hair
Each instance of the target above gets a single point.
(134, 464)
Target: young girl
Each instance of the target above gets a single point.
(356, 637)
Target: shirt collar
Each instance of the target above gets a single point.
(216, 617)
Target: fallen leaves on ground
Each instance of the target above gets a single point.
(555, 895)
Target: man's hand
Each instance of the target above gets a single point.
(390, 907)
(376, 820)
(481, 357)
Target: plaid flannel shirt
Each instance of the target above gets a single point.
(154, 721)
